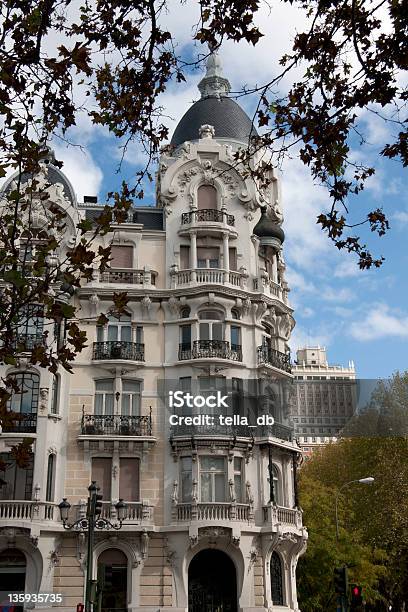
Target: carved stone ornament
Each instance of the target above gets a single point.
(146, 303)
(206, 131)
(43, 399)
(94, 304)
(173, 305)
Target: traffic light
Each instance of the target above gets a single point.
(356, 596)
(340, 580)
(98, 504)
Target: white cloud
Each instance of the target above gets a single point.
(347, 268)
(81, 169)
(401, 216)
(380, 322)
(334, 294)
(302, 337)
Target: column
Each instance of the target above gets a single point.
(225, 244)
(193, 255)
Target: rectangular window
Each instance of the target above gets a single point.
(185, 332)
(121, 257)
(102, 474)
(185, 479)
(131, 397)
(184, 257)
(139, 335)
(208, 257)
(212, 479)
(235, 336)
(17, 481)
(49, 493)
(129, 479)
(233, 258)
(104, 396)
(238, 480)
(55, 394)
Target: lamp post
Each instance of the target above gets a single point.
(368, 481)
(88, 524)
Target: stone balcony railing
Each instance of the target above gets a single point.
(274, 514)
(137, 512)
(275, 358)
(210, 349)
(118, 349)
(212, 511)
(20, 423)
(208, 276)
(17, 510)
(126, 276)
(207, 215)
(116, 425)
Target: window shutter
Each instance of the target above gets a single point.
(233, 258)
(129, 479)
(207, 197)
(184, 257)
(102, 474)
(121, 257)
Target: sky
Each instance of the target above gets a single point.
(357, 315)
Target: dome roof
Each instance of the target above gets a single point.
(215, 108)
(270, 233)
(54, 176)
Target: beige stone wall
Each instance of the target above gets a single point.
(156, 577)
(68, 575)
(77, 477)
(259, 583)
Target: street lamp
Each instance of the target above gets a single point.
(88, 524)
(367, 481)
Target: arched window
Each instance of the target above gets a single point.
(13, 566)
(276, 580)
(235, 314)
(211, 326)
(25, 400)
(206, 197)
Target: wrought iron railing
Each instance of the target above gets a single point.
(277, 430)
(118, 349)
(20, 423)
(274, 358)
(204, 349)
(116, 425)
(207, 215)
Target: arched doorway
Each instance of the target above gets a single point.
(13, 566)
(112, 581)
(212, 583)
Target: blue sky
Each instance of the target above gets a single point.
(357, 315)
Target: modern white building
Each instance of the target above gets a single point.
(323, 398)
(206, 529)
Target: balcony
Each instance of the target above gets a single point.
(208, 276)
(274, 358)
(277, 430)
(126, 276)
(207, 215)
(278, 514)
(210, 349)
(15, 510)
(20, 423)
(137, 512)
(118, 349)
(116, 425)
(215, 511)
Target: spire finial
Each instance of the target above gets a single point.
(214, 84)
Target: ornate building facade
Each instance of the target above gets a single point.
(212, 521)
(324, 398)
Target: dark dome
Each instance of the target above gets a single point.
(268, 231)
(227, 117)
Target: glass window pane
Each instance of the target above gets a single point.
(237, 464)
(186, 487)
(99, 333)
(235, 335)
(99, 403)
(108, 403)
(219, 487)
(217, 331)
(126, 333)
(105, 384)
(206, 493)
(135, 404)
(131, 385)
(125, 404)
(112, 333)
(204, 331)
(186, 334)
(238, 488)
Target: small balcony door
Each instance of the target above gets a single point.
(211, 326)
(120, 329)
(206, 197)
